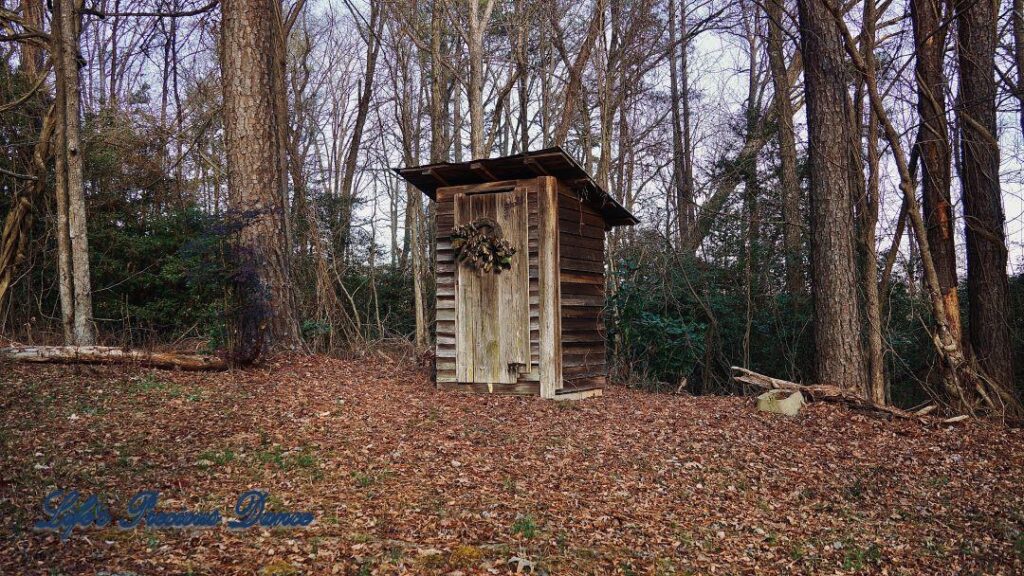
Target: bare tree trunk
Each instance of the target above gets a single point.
(1018, 53)
(934, 149)
(868, 205)
(254, 168)
(373, 33)
(31, 60)
(787, 148)
(839, 357)
(438, 148)
(522, 61)
(76, 290)
(987, 282)
(279, 83)
(109, 355)
(682, 173)
(60, 176)
(475, 91)
(575, 70)
(415, 235)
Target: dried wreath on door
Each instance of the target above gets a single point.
(480, 245)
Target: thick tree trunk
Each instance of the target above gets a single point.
(787, 148)
(254, 168)
(987, 285)
(934, 150)
(839, 357)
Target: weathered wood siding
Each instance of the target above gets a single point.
(492, 333)
(447, 273)
(566, 298)
(581, 267)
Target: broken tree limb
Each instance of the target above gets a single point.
(111, 355)
(823, 392)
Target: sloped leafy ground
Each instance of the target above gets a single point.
(406, 479)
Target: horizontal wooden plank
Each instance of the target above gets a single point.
(573, 215)
(582, 324)
(575, 264)
(581, 311)
(581, 371)
(567, 237)
(583, 300)
(596, 347)
(449, 192)
(528, 388)
(595, 254)
(581, 336)
(574, 289)
(583, 278)
(585, 382)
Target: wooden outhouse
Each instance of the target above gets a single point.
(522, 313)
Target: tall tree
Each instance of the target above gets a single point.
(1018, 53)
(987, 283)
(31, 51)
(839, 357)
(477, 27)
(934, 149)
(787, 146)
(73, 239)
(682, 151)
(253, 158)
(867, 204)
(371, 32)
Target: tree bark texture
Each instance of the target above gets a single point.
(253, 160)
(934, 150)
(987, 283)
(787, 148)
(839, 357)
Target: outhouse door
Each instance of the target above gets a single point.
(492, 326)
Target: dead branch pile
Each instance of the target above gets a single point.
(822, 392)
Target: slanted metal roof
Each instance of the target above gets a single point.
(548, 162)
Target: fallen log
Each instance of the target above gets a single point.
(112, 355)
(823, 392)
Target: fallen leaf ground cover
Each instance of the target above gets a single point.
(403, 478)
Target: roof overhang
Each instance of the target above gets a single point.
(548, 162)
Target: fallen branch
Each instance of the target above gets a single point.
(111, 355)
(823, 392)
